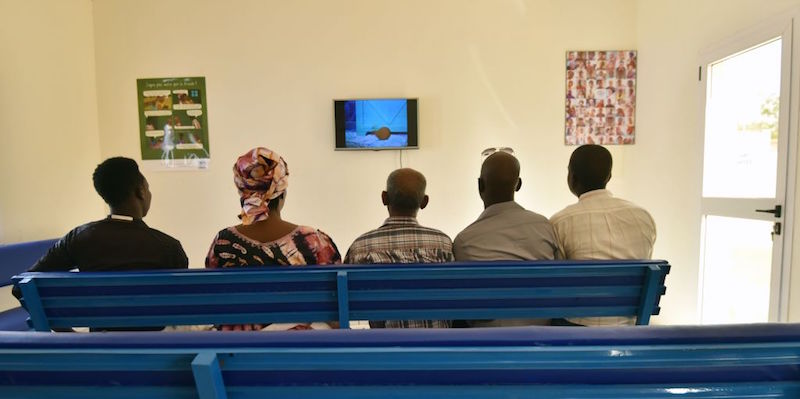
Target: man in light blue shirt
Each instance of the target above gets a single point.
(504, 230)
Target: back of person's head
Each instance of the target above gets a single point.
(499, 178)
(117, 179)
(589, 169)
(262, 177)
(405, 192)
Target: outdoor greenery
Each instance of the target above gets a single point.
(769, 119)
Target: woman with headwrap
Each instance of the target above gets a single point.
(263, 238)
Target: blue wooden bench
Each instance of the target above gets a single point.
(744, 361)
(485, 290)
(15, 259)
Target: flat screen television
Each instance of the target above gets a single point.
(376, 124)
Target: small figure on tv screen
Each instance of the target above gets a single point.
(382, 134)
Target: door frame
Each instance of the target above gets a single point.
(783, 26)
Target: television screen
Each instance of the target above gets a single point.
(376, 124)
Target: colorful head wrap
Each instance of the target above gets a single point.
(260, 175)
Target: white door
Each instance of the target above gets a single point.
(746, 87)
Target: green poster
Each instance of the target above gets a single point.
(173, 122)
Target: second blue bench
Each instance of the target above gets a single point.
(480, 290)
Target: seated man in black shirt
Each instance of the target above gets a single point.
(122, 241)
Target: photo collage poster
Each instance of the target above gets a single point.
(600, 97)
(173, 123)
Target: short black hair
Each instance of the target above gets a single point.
(116, 179)
(590, 165)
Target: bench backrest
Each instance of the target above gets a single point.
(743, 361)
(17, 258)
(481, 290)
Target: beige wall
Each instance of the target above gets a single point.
(487, 73)
(48, 119)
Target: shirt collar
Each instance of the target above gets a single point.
(124, 218)
(397, 220)
(498, 208)
(595, 194)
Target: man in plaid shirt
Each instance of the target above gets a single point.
(401, 239)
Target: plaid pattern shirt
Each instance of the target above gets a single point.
(403, 240)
